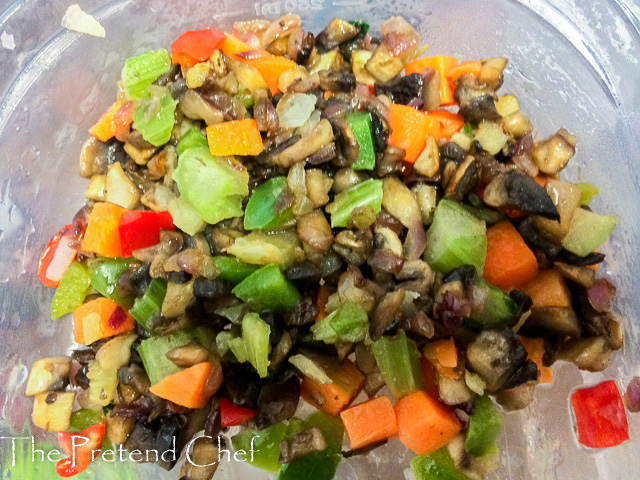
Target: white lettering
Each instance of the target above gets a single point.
(74, 445)
(188, 449)
(109, 452)
(55, 452)
(135, 452)
(252, 450)
(240, 452)
(172, 451)
(13, 447)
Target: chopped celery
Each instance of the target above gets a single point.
(348, 323)
(398, 360)
(154, 119)
(102, 385)
(149, 306)
(588, 230)
(436, 466)
(589, 190)
(262, 210)
(104, 276)
(83, 419)
(484, 426)
(265, 446)
(360, 124)
(185, 217)
(222, 342)
(141, 71)
(281, 247)
(71, 291)
(314, 466)
(268, 289)
(368, 193)
(467, 130)
(153, 351)
(213, 186)
(253, 347)
(232, 270)
(499, 308)
(455, 238)
(192, 139)
(310, 369)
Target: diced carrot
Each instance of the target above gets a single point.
(188, 387)
(442, 64)
(271, 68)
(594, 267)
(424, 423)
(535, 350)
(102, 235)
(548, 289)
(469, 67)
(369, 422)
(321, 302)
(541, 180)
(428, 373)
(105, 127)
(443, 124)
(442, 351)
(100, 318)
(232, 46)
(240, 137)
(509, 262)
(328, 94)
(333, 398)
(408, 130)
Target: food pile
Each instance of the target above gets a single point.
(276, 218)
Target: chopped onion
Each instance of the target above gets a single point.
(632, 397)
(294, 110)
(80, 21)
(601, 295)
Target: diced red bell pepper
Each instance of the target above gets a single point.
(232, 415)
(195, 46)
(59, 254)
(82, 451)
(600, 416)
(139, 229)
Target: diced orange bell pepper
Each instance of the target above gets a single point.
(105, 127)
(239, 137)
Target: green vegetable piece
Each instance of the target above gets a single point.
(265, 446)
(246, 99)
(436, 466)
(487, 215)
(149, 306)
(192, 139)
(83, 419)
(232, 270)
(589, 190)
(71, 291)
(348, 323)
(185, 217)
(268, 290)
(141, 71)
(314, 466)
(588, 230)
(455, 238)
(154, 122)
(104, 276)
(332, 429)
(213, 186)
(499, 307)
(467, 129)
(254, 346)
(153, 351)
(368, 193)
(261, 211)
(484, 426)
(360, 124)
(399, 363)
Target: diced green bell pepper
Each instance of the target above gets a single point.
(467, 130)
(484, 425)
(153, 351)
(268, 290)
(261, 211)
(266, 446)
(83, 419)
(588, 230)
(253, 346)
(71, 291)
(360, 124)
(455, 238)
(436, 466)
(499, 307)
(368, 193)
(348, 323)
(155, 122)
(104, 277)
(232, 270)
(149, 306)
(192, 139)
(314, 466)
(141, 71)
(399, 363)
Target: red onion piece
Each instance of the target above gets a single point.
(253, 54)
(632, 397)
(117, 318)
(601, 295)
(416, 241)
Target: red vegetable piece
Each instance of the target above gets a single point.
(232, 415)
(82, 451)
(195, 46)
(600, 417)
(140, 229)
(58, 255)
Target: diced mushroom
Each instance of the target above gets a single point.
(304, 443)
(202, 461)
(382, 65)
(476, 100)
(491, 72)
(428, 163)
(314, 231)
(188, 355)
(453, 391)
(517, 398)
(384, 313)
(465, 179)
(52, 410)
(387, 251)
(195, 107)
(338, 31)
(48, 374)
(553, 320)
(308, 145)
(516, 124)
(566, 197)
(517, 190)
(177, 299)
(553, 154)
(119, 189)
(353, 246)
(592, 354)
(402, 90)
(426, 195)
(416, 276)
(580, 275)
(398, 200)
(93, 158)
(431, 89)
